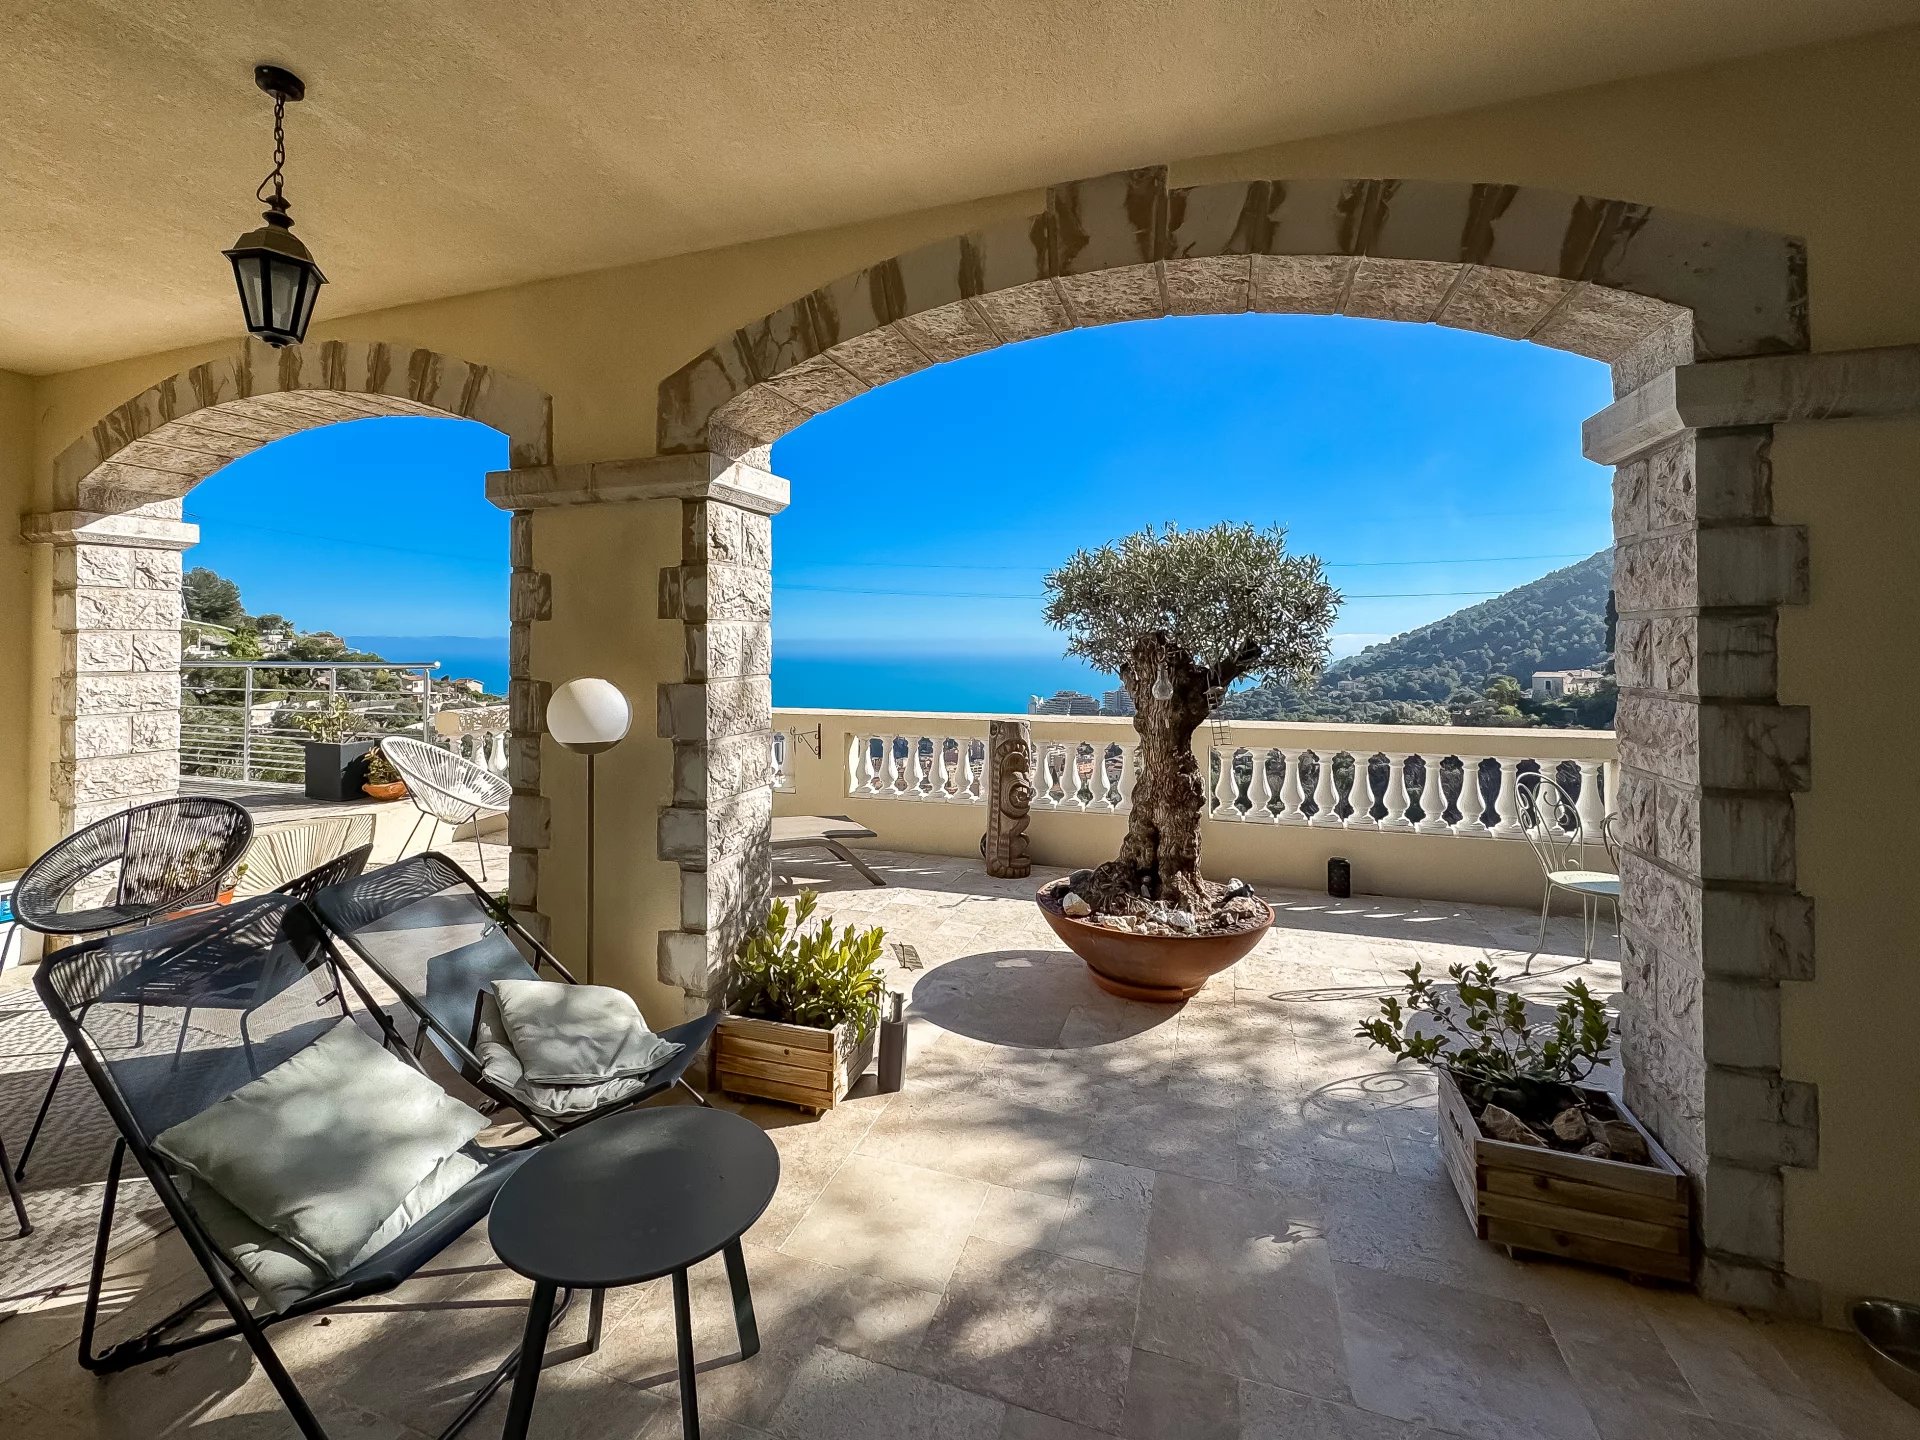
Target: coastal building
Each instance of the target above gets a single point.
(1063, 702)
(1116, 702)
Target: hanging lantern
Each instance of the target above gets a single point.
(1162, 686)
(277, 277)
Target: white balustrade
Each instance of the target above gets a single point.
(478, 734)
(1096, 771)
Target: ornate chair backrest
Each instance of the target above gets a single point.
(1551, 824)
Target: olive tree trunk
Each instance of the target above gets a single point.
(1160, 857)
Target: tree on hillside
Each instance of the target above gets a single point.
(1180, 616)
(213, 598)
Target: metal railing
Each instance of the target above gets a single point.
(241, 719)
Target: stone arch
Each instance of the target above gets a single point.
(1709, 758)
(117, 535)
(1639, 287)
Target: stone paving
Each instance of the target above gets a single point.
(1082, 1218)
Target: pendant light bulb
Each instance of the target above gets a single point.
(1162, 686)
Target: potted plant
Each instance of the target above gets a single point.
(335, 764)
(1180, 616)
(383, 782)
(803, 1005)
(1541, 1161)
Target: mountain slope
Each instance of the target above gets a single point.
(1558, 622)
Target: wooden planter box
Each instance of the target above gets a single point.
(1637, 1218)
(795, 1064)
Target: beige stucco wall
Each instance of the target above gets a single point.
(1852, 655)
(1821, 142)
(17, 605)
(605, 561)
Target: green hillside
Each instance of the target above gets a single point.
(1558, 622)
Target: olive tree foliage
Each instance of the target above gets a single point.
(1230, 597)
(1185, 613)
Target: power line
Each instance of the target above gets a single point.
(1329, 564)
(989, 595)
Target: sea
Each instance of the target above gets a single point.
(820, 676)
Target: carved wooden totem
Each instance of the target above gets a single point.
(1009, 798)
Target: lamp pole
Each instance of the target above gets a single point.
(589, 716)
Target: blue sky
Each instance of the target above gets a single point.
(1429, 467)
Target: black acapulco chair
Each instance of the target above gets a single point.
(271, 947)
(128, 869)
(439, 942)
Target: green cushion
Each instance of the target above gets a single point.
(325, 1146)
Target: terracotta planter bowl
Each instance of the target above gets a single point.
(391, 790)
(1160, 969)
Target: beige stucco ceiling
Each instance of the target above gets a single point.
(455, 147)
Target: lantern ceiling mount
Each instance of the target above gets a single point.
(275, 272)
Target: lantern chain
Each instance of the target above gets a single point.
(276, 177)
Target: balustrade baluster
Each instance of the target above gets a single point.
(1592, 812)
(937, 769)
(1226, 789)
(1260, 788)
(1471, 803)
(1507, 821)
(916, 767)
(1396, 797)
(1326, 800)
(1610, 780)
(963, 788)
(1042, 776)
(1291, 794)
(1360, 794)
(1433, 800)
(1123, 795)
(1101, 801)
(856, 764)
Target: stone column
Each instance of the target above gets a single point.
(716, 714)
(1709, 763)
(117, 609)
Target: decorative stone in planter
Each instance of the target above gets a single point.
(1529, 1197)
(794, 1064)
(335, 769)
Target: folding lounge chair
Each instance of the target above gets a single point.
(270, 949)
(439, 941)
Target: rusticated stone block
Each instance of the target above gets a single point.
(156, 650)
(728, 648)
(1757, 1118)
(721, 592)
(529, 822)
(93, 736)
(529, 596)
(950, 332)
(1753, 565)
(1410, 290)
(1756, 934)
(701, 837)
(527, 705)
(881, 355)
(721, 768)
(155, 729)
(1026, 312)
(89, 608)
(96, 651)
(1742, 1212)
(761, 415)
(523, 763)
(1632, 485)
(1107, 297)
(1715, 745)
(116, 777)
(817, 384)
(1727, 1280)
(703, 712)
(726, 899)
(1741, 1023)
(1502, 302)
(156, 569)
(1721, 476)
(1736, 656)
(520, 540)
(1665, 346)
(1300, 284)
(1601, 323)
(520, 650)
(87, 694)
(1633, 656)
(1217, 286)
(694, 961)
(523, 879)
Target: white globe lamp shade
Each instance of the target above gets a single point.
(588, 715)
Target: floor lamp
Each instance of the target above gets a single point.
(588, 716)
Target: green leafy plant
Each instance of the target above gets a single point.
(1483, 1036)
(801, 973)
(380, 770)
(331, 722)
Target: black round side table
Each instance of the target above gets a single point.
(627, 1199)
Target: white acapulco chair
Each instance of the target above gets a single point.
(445, 786)
(1552, 826)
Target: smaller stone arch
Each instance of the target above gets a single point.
(117, 535)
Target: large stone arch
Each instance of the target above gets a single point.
(1709, 758)
(117, 535)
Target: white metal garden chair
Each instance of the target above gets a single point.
(445, 786)
(1552, 825)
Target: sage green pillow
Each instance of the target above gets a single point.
(325, 1146)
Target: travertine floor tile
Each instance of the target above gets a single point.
(900, 1222)
(842, 1397)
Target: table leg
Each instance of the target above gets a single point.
(533, 1350)
(683, 1334)
(743, 1321)
(596, 1307)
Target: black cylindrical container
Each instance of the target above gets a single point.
(893, 1042)
(1339, 878)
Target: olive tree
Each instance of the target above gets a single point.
(1181, 615)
